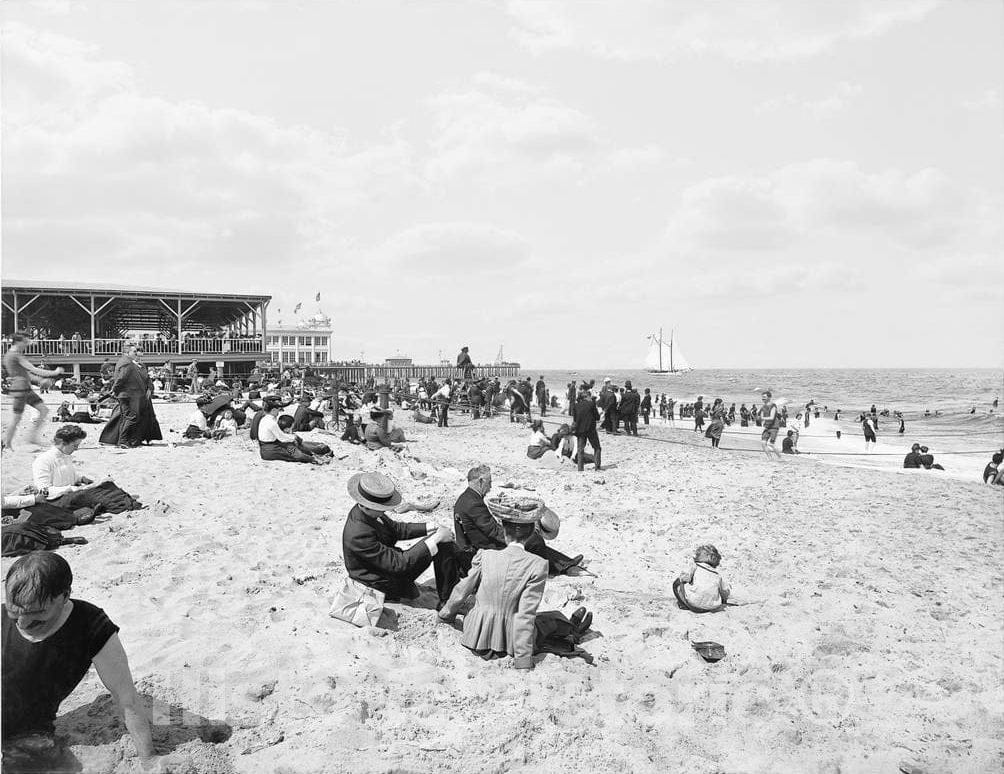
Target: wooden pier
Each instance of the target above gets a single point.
(362, 372)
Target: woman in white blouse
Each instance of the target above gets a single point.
(276, 444)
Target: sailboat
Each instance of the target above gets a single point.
(665, 357)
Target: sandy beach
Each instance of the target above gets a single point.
(872, 637)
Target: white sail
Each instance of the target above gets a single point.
(680, 362)
(652, 358)
(672, 361)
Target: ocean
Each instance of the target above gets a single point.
(950, 395)
(911, 391)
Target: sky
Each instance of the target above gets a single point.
(785, 183)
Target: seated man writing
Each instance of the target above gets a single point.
(477, 529)
(50, 642)
(370, 536)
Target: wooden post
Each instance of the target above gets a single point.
(384, 392)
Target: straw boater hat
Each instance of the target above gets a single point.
(375, 491)
(524, 509)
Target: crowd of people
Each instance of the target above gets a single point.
(491, 562)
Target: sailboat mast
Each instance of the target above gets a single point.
(671, 332)
(660, 349)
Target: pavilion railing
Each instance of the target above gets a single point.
(190, 345)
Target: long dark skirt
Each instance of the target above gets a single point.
(132, 422)
(282, 452)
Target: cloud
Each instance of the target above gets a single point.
(988, 99)
(822, 107)
(165, 182)
(829, 198)
(503, 132)
(463, 250)
(970, 276)
(742, 32)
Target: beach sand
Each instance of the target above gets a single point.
(872, 638)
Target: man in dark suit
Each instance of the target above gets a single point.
(369, 538)
(628, 409)
(133, 421)
(584, 418)
(477, 529)
(540, 391)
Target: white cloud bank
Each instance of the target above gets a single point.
(741, 32)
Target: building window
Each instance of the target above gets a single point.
(318, 357)
(320, 341)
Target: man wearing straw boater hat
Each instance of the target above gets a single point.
(369, 538)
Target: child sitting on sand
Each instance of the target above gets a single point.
(226, 424)
(702, 589)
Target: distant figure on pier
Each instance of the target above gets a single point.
(464, 362)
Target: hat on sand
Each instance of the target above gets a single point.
(515, 509)
(709, 651)
(550, 522)
(374, 490)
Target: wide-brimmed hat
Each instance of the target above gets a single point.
(516, 509)
(374, 490)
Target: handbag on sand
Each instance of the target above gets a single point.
(357, 604)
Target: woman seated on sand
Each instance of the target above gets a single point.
(198, 427)
(539, 442)
(508, 585)
(274, 443)
(79, 410)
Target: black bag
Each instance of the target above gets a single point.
(23, 538)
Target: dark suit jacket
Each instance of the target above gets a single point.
(629, 404)
(474, 525)
(130, 379)
(370, 554)
(584, 416)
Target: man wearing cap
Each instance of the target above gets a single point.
(477, 529)
(369, 538)
(912, 460)
(584, 418)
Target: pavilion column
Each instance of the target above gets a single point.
(94, 343)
